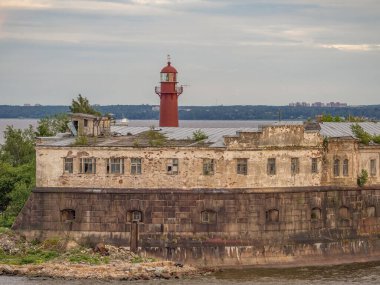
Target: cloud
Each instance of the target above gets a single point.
(353, 48)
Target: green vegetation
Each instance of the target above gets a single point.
(50, 126)
(363, 136)
(349, 118)
(29, 257)
(81, 140)
(155, 138)
(17, 172)
(237, 112)
(199, 135)
(330, 118)
(82, 105)
(18, 147)
(81, 256)
(362, 178)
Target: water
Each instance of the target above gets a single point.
(24, 123)
(358, 273)
(17, 123)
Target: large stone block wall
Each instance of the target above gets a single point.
(348, 228)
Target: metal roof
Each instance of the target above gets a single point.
(215, 135)
(332, 129)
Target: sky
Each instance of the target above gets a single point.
(237, 52)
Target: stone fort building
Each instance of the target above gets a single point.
(279, 194)
(270, 195)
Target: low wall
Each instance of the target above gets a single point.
(216, 227)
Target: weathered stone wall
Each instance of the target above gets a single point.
(154, 174)
(314, 224)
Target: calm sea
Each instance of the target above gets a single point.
(360, 273)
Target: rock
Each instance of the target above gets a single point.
(145, 277)
(165, 275)
(101, 249)
(70, 245)
(178, 264)
(7, 270)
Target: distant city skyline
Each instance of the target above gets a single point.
(241, 52)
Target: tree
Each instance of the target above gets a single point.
(50, 126)
(82, 105)
(18, 147)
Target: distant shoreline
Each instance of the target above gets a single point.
(230, 113)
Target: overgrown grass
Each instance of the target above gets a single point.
(78, 256)
(30, 257)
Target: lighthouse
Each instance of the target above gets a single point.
(168, 92)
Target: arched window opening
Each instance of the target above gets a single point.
(316, 214)
(344, 212)
(336, 167)
(272, 216)
(208, 217)
(371, 211)
(67, 215)
(345, 167)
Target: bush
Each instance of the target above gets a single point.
(81, 140)
(199, 135)
(362, 178)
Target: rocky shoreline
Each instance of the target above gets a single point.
(65, 259)
(112, 271)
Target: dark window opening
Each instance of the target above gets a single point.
(208, 166)
(272, 216)
(88, 165)
(373, 167)
(85, 122)
(314, 165)
(172, 166)
(336, 167)
(345, 167)
(67, 215)
(294, 166)
(75, 123)
(271, 166)
(242, 166)
(316, 214)
(208, 217)
(68, 165)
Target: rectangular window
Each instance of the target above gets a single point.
(87, 165)
(271, 166)
(68, 165)
(115, 165)
(172, 166)
(345, 167)
(336, 167)
(373, 167)
(85, 122)
(242, 166)
(294, 165)
(135, 165)
(208, 166)
(314, 165)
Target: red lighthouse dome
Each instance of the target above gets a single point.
(168, 92)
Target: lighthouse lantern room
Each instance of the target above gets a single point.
(169, 92)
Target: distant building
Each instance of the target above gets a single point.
(318, 104)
